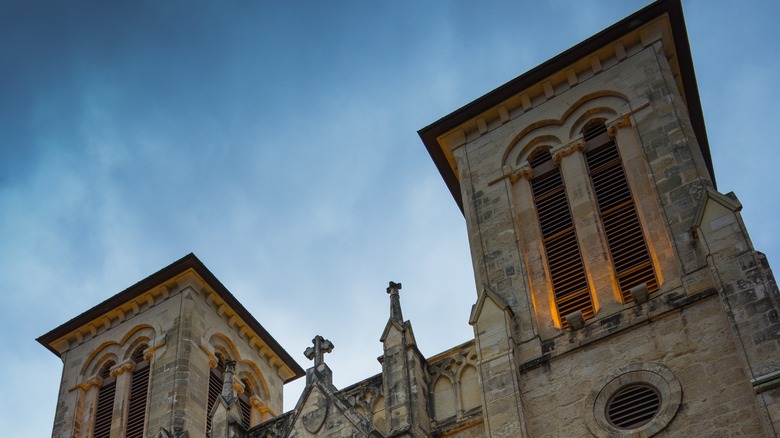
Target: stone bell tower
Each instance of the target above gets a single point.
(173, 355)
(615, 283)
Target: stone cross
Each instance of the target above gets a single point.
(316, 353)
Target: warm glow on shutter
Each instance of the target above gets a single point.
(564, 261)
(625, 240)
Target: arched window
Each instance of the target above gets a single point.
(616, 207)
(216, 376)
(559, 238)
(443, 398)
(139, 389)
(244, 403)
(105, 402)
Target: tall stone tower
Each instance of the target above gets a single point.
(618, 290)
(173, 355)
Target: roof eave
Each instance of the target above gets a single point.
(430, 134)
(190, 261)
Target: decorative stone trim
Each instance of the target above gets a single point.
(256, 402)
(614, 125)
(213, 363)
(95, 381)
(524, 172)
(122, 368)
(652, 374)
(238, 385)
(577, 145)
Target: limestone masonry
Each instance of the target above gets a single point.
(617, 290)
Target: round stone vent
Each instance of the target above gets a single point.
(633, 406)
(638, 399)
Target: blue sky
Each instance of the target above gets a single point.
(277, 141)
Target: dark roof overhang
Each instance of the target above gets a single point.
(190, 261)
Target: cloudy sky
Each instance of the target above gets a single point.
(277, 141)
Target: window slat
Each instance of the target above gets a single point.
(564, 260)
(625, 239)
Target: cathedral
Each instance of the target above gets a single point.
(617, 292)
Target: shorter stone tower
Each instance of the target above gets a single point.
(173, 355)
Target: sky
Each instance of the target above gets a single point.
(278, 142)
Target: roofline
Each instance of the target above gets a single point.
(190, 261)
(673, 8)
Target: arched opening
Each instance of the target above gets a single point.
(105, 402)
(139, 391)
(216, 376)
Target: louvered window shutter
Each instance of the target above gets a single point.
(564, 260)
(625, 240)
(215, 389)
(243, 403)
(139, 387)
(105, 403)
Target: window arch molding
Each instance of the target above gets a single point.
(219, 343)
(604, 98)
(606, 103)
(106, 351)
(600, 114)
(526, 144)
(219, 348)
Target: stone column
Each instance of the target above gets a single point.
(536, 273)
(85, 413)
(123, 373)
(593, 244)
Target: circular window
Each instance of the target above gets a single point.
(633, 406)
(636, 399)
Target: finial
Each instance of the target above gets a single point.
(395, 302)
(317, 352)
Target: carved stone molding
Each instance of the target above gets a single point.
(256, 402)
(238, 385)
(313, 421)
(614, 125)
(577, 145)
(122, 368)
(94, 381)
(524, 172)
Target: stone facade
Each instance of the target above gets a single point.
(689, 349)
